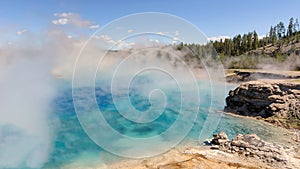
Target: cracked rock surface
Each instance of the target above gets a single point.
(277, 102)
(251, 146)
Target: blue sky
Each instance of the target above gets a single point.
(213, 17)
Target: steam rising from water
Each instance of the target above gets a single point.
(28, 87)
(26, 91)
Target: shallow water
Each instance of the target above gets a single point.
(73, 148)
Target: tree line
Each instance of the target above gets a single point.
(241, 44)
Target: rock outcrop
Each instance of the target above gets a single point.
(277, 102)
(248, 75)
(250, 145)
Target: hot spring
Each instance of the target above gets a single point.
(73, 148)
(143, 109)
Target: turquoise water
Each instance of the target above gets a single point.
(72, 147)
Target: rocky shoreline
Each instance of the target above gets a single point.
(251, 146)
(243, 151)
(244, 75)
(274, 101)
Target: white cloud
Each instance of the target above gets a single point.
(70, 36)
(76, 20)
(94, 26)
(218, 38)
(261, 36)
(163, 33)
(130, 30)
(61, 21)
(21, 32)
(64, 14)
(119, 43)
(71, 18)
(176, 33)
(105, 37)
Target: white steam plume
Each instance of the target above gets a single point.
(26, 93)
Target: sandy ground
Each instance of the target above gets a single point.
(190, 158)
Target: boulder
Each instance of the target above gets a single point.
(250, 145)
(219, 139)
(277, 102)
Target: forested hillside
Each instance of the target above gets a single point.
(279, 36)
(279, 48)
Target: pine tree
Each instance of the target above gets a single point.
(249, 41)
(280, 30)
(290, 27)
(227, 47)
(271, 34)
(255, 40)
(238, 44)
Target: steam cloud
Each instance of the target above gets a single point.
(24, 132)
(27, 91)
(27, 71)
